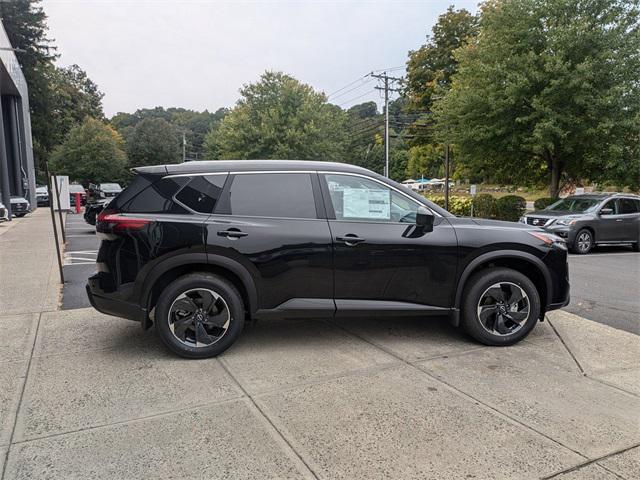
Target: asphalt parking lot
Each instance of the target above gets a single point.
(604, 284)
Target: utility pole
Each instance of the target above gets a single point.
(386, 80)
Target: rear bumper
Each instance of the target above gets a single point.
(115, 307)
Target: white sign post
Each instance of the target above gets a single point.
(473, 190)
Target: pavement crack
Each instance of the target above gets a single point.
(593, 460)
(269, 421)
(566, 347)
(20, 398)
(462, 393)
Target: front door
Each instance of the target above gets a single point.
(611, 225)
(379, 254)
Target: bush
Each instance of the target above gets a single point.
(510, 208)
(484, 206)
(542, 203)
(460, 206)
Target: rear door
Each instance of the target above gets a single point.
(379, 256)
(273, 223)
(630, 215)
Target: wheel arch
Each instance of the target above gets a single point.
(169, 270)
(523, 262)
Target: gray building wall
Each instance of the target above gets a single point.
(17, 169)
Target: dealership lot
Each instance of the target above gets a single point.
(84, 395)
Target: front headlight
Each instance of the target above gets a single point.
(566, 222)
(550, 239)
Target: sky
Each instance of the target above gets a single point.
(198, 54)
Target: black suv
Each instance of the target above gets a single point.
(587, 220)
(200, 247)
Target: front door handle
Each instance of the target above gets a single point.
(232, 233)
(350, 239)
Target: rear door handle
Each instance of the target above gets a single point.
(232, 233)
(350, 239)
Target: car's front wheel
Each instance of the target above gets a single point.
(199, 315)
(501, 306)
(583, 242)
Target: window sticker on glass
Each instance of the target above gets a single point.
(366, 203)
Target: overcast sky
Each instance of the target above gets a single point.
(197, 54)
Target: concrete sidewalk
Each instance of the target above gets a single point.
(83, 395)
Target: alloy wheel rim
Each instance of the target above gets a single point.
(584, 241)
(199, 317)
(503, 309)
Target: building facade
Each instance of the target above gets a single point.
(17, 169)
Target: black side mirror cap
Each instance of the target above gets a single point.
(424, 219)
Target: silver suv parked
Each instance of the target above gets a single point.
(591, 219)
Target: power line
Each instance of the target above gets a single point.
(364, 82)
(356, 98)
(348, 85)
(387, 81)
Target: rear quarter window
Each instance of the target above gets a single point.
(156, 197)
(202, 193)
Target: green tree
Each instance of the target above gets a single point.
(26, 27)
(429, 69)
(153, 141)
(425, 160)
(279, 117)
(194, 124)
(549, 90)
(93, 152)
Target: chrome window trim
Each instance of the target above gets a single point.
(325, 172)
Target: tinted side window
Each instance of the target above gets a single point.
(157, 198)
(627, 205)
(286, 195)
(202, 193)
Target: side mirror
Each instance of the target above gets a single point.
(424, 219)
(606, 211)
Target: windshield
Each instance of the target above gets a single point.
(76, 189)
(575, 204)
(110, 186)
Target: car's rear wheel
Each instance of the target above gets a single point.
(583, 242)
(199, 315)
(501, 306)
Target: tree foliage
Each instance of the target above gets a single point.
(153, 141)
(549, 90)
(430, 68)
(92, 152)
(59, 98)
(279, 117)
(195, 125)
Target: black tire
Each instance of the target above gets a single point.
(636, 246)
(475, 292)
(579, 246)
(19, 215)
(190, 283)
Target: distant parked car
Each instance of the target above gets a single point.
(42, 196)
(591, 219)
(93, 209)
(19, 206)
(4, 213)
(103, 190)
(75, 188)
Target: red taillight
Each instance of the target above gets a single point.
(118, 223)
